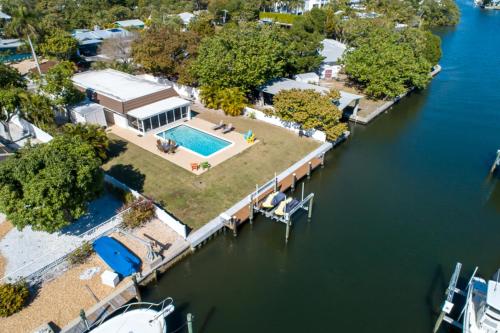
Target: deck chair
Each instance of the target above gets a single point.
(228, 129)
(219, 126)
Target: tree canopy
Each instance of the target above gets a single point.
(94, 135)
(10, 77)
(311, 110)
(47, 186)
(385, 65)
(60, 45)
(57, 83)
(167, 51)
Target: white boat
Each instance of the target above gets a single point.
(136, 318)
(480, 312)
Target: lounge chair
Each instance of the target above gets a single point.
(280, 211)
(248, 134)
(172, 147)
(228, 129)
(161, 146)
(219, 126)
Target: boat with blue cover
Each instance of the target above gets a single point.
(117, 256)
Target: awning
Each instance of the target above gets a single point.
(162, 106)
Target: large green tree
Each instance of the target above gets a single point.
(166, 51)
(10, 77)
(59, 45)
(385, 65)
(244, 56)
(12, 102)
(47, 186)
(310, 109)
(94, 135)
(57, 83)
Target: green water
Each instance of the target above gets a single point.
(396, 206)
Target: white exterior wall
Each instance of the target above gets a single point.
(97, 118)
(334, 68)
(120, 121)
(294, 127)
(34, 131)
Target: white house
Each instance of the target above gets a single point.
(332, 53)
(134, 23)
(186, 17)
(280, 6)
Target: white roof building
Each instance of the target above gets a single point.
(117, 85)
(10, 43)
(147, 111)
(332, 51)
(186, 17)
(86, 37)
(275, 86)
(134, 23)
(4, 16)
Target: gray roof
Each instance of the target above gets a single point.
(86, 107)
(10, 43)
(307, 76)
(86, 37)
(278, 85)
(332, 50)
(4, 16)
(130, 23)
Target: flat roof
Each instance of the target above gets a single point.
(86, 107)
(311, 75)
(332, 50)
(130, 23)
(4, 16)
(10, 43)
(152, 109)
(186, 17)
(278, 85)
(117, 85)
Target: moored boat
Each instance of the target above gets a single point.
(136, 318)
(480, 312)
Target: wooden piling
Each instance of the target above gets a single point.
(136, 288)
(309, 170)
(310, 209)
(323, 160)
(294, 180)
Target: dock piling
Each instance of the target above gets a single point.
(136, 288)
(190, 318)
(309, 170)
(294, 180)
(323, 160)
(310, 209)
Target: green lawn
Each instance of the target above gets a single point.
(195, 200)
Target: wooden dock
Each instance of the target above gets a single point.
(122, 295)
(286, 179)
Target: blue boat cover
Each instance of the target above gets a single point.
(117, 256)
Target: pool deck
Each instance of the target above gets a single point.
(184, 157)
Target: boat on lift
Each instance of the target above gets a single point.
(480, 311)
(138, 317)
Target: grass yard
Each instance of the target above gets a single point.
(195, 200)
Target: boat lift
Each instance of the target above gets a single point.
(306, 203)
(448, 304)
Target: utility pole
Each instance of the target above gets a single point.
(34, 55)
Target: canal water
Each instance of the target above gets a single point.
(396, 207)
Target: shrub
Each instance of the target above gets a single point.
(119, 193)
(12, 298)
(279, 17)
(81, 254)
(141, 211)
(231, 100)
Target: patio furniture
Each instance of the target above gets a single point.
(172, 147)
(163, 147)
(228, 129)
(250, 137)
(219, 126)
(195, 166)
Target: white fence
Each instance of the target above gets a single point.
(162, 215)
(291, 126)
(184, 91)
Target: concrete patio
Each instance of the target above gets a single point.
(184, 157)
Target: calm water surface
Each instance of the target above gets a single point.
(396, 207)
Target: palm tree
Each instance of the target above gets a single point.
(23, 24)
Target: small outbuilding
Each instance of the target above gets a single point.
(88, 112)
(311, 78)
(186, 17)
(332, 52)
(267, 92)
(134, 23)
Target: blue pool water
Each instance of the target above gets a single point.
(195, 140)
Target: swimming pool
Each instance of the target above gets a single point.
(195, 140)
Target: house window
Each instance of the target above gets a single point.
(170, 116)
(177, 113)
(184, 112)
(154, 122)
(163, 119)
(146, 124)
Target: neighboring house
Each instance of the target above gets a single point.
(280, 6)
(332, 53)
(4, 16)
(135, 24)
(90, 40)
(186, 18)
(132, 102)
(268, 91)
(369, 15)
(311, 78)
(10, 45)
